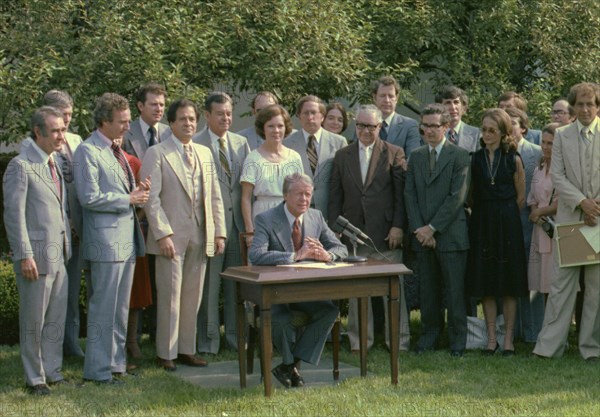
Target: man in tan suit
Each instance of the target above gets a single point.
(575, 168)
(38, 230)
(187, 223)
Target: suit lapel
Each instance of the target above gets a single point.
(379, 154)
(442, 161)
(282, 229)
(204, 139)
(354, 165)
(324, 152)
(139, 141)
(173, 157)
(571, 150)
(43, 171)
(107, 156)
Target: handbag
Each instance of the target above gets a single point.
(548, 222)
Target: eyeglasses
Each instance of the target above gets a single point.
(558, 112)
(370, 128)
(428, 126)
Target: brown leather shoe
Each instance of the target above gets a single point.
(191, 360)
(166, 364)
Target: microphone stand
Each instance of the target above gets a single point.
(354, 258)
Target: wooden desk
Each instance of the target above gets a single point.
(268, 285)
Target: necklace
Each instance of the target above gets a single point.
(493, 174)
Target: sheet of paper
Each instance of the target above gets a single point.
(592, 235)
(317, 265)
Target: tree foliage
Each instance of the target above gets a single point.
(331, 48)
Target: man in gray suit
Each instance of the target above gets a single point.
(111, 237)
(229, 151)
(436, 188)
(283, 235)
(575, 167)
(530, 309)
(147, 130)
(395, 128)
(38, 230)
(259, 102)
(316, 147)
(457, 103)
(512, 99)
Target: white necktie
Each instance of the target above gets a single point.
(365, 157)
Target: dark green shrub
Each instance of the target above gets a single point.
(9, 307)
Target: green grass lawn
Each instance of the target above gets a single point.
(432, 384)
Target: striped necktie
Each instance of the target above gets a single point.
(223, 157)
(55, 178)
(311, 152)
(118, 153)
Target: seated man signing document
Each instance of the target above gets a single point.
(285, 234)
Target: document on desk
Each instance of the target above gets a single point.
(317, 265)
(592, 236)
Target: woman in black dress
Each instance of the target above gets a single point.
(498, 266)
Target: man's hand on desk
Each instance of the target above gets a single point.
(313, 249)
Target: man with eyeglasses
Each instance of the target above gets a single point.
(562, 112)
(366, 188)
(437, 182)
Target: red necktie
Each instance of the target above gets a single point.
(297, 235)
(123, 162)
(55, 178)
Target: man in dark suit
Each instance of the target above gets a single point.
(395, 128)
(457, 103)
(38, 230)
(436, 188)
(229, 151)
(512, 99)
(111, 237)
(316, 146)
(283, 235)
(366, 188)
(147, 130)
(259, 102)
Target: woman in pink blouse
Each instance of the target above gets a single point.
(542, 200)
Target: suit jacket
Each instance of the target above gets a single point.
(468, 137)
(438, 198)
(170, 207)
(254, 141)
(65, 159)
(231, 190)
(134, 141)
(111, 231)
(330, 143)
(567, 173)
(530, 154)
(404, 132)
(35, 215)
(534, 136)
(273, 245)
(379, 204)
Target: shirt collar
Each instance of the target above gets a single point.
(457, 127)
(317, 135)
(41, 152)
(145, 127)
(439, 146)
(214, 139)
(361, 146)
(592, 126)
(388, 120)
(104, 138)
(290, 217)
(179, 144)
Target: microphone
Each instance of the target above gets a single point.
(346, 225)
(339, 229)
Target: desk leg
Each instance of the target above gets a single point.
(394, 318)
(241, 337)
(363, 304)
(266, 347)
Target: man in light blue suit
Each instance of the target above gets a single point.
(289, 233)
(259, 102)
(395, 128)
(229, 151)
(316, 147)
(112, 237)
(512, 99)
(459, 133)
(530, 312)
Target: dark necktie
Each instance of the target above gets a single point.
(152, 141)
(297, 235)
(123, 162)
(452, 136)
(432, 156)
(383, 134)
(55, 178)
(223, 157)
(311, 152)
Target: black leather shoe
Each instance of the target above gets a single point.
(490, 352)
(296, 378)
(39, 389)
(283, 375)
(111, 381)
(457, 353)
